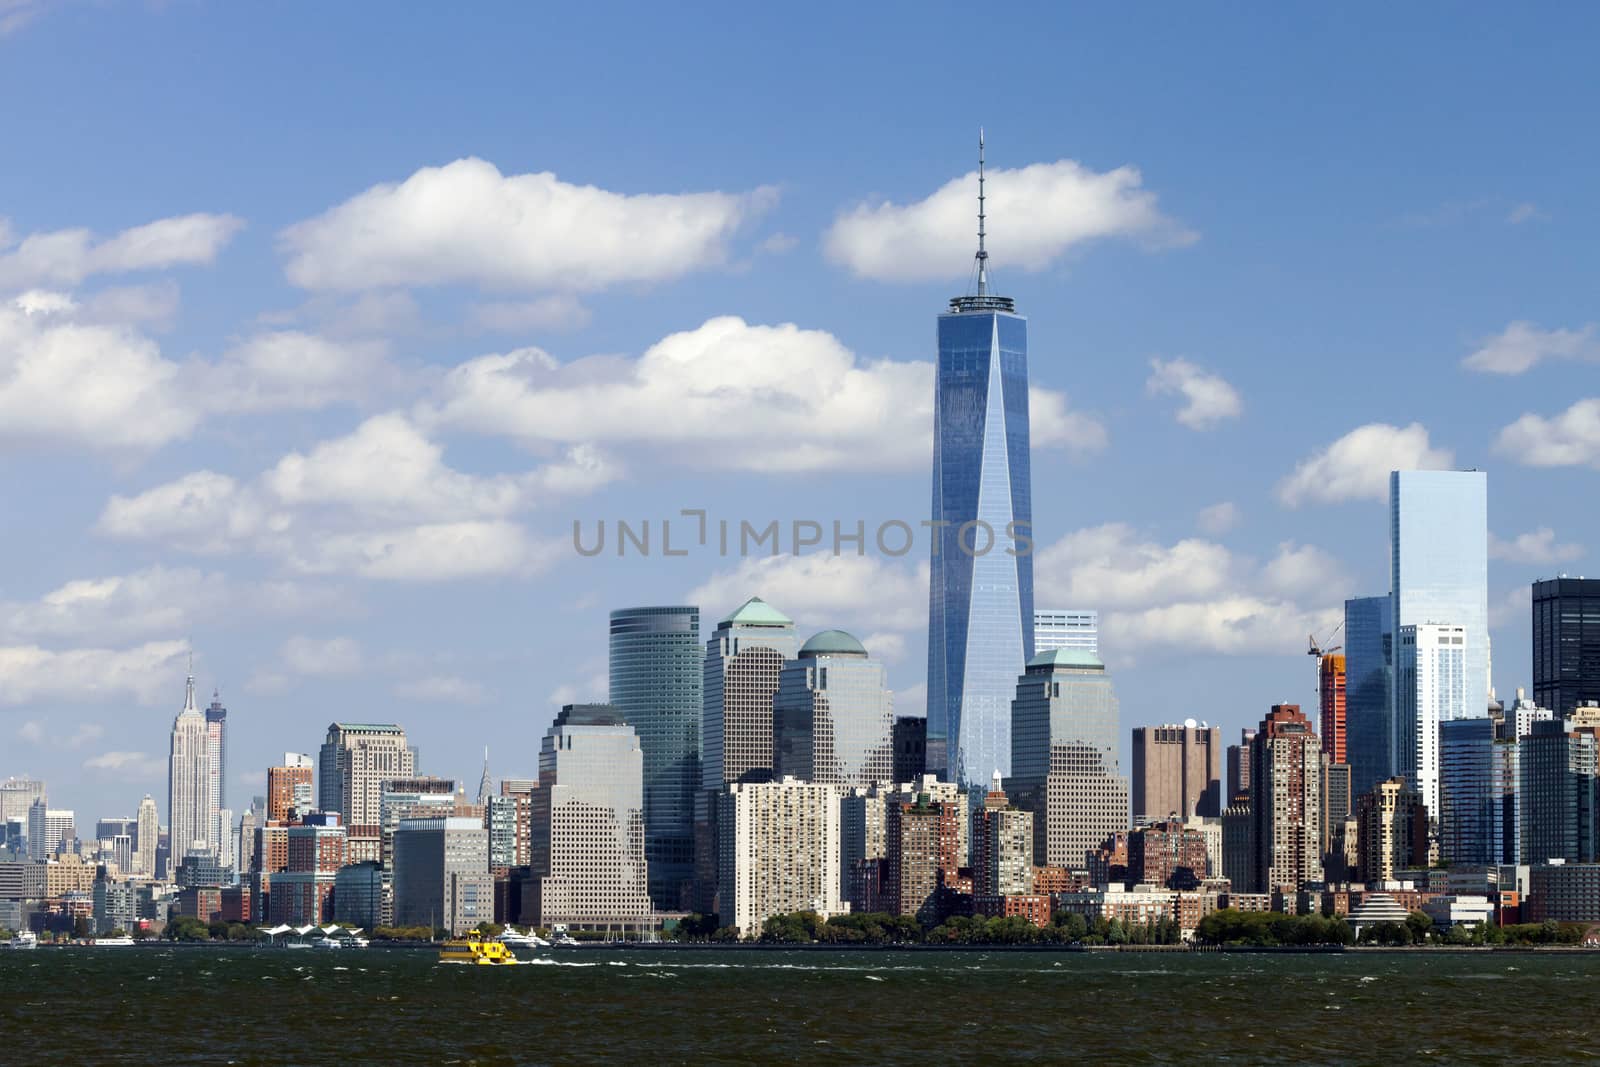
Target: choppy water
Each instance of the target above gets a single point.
(199, 1005)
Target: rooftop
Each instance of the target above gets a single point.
(1080, 658)
(833, 643)
(757, 612)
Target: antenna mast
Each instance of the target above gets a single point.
(983, 256)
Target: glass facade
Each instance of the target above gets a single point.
(833, 715)
(1468, 804)
(1368, 644)
(657, 678)
(1055, 628)
(1566, 643)
(1430, 689)
(1439, 563)
(980, 599)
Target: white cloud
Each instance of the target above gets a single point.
(1357, 465)
(14, 15)
(468, 223)
(31, 731)
(431, 552)
(1302, 570)
(322, 657)
(1512, 609)
(1112, 566)
(1570, 439)
(289, 370)
(67, 257)
(442, 689)
(865, 594)
(1536, 546)
(1525, 212)
(1208, 398)
(728, 394)
(1522, 346)
(202, 512)
(1218, 518)
(560, 311)
(128, 766)
(885, 645)
(1036, 214)
(154, 306)
(912, 700)
(31, 674)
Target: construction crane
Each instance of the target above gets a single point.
(1316, 649)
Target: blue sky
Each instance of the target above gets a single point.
(327, 413)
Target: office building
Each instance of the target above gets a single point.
(1064, 761)
(1285, 802)
(833, 715)
(1239, 765)
(303, 891)
(778, 851)
(356, 759)
(980, 595)
(414, 797)
(1338, 803)
(116, 906)
(217, 776)
(910, 748)
(1176, 771)
(1331, 695)
(1470, 816)
(588, 866)
(146, 837)
(657, 681)
(500, 818)
(1431, 687)
(441, 873)
(17, 796)
(1559, 768)
(1566, 643)
(289, 786)
(1439, 571)
(49, 829)
(1523, 713)
(1369, 673)
(193, 820)
(1563, 893)
(1058, 628)
(361, 895)
(1391, 831)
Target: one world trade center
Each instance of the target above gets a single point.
(980, 595)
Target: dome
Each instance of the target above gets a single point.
(1067, 657)
(833, 643)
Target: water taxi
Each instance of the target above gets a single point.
(26, 939)
(474, 949)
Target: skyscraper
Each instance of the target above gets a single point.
(1431, 687)
(1064, 756)
(1369, 676)
(1391, 830)
(1331, 697)
(1469, 802)
(1063, 628)
(355, 761)
(289, 786)
(441, 873)
(1285, 801)
(1176, 771)
(1439, 566)
(743, 661)
(17, 796)
(778, 848)
(1566, 643)
(657, 682)
(145, 838)
(1560, 768)
(980, 591)
(217, 770)
(192, 819)
(833, 715)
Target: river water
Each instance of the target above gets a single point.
(256, 1006)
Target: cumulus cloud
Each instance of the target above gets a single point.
(1036, 214)
(127, 766)
(1523, 345)
(468, 223)
(29, 673)
(1536, 546)
(1193, 595)
(441, 689)
(1208, 398)
(1218, 518)
(728, 394)
(289, 370)
(867, 594)
(1357, 465)
(1570, 439)
(67, 257)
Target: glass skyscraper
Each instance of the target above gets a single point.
(1566, 643)
(657, 677)
(833, 715)
(980, 596)
(1369, 674)
(1439, 561)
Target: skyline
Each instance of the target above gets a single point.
(285, 372)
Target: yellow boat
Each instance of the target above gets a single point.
(476, 950)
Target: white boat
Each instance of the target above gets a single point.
(25, 939)
(512, 939)
(297, 944)
(326, 942)
(113, 942)
(564, 941)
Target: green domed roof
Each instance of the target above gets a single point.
(833, 643)
(757, 612)
(1066, 657)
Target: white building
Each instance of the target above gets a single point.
(47, 828)
(778, 850)
(146, 838)
(192, 819)
(1055, 628)
(354, 762)
(1431, 686)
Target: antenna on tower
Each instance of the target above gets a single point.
(983, 256)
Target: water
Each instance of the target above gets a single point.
(397, 1006)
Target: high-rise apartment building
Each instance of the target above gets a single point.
(588, 864)
(921, 843)
(441, 873)
(1566, 643)
(303, 891)
(1176, 771)
(289, 786)
(1439, 570)
(1431, 687)
(146, 837)
(833, 715)
(1559, 769)
(1055, 628)
(1002, 846)
(1331, 696)
(217, 775)
(1285, 801)
(657, 681)
(1391, 830)
(1170, 853)
(1369, 677)
(193, 821)
(778, 851)
(1064, 756)
(980, 596)
(1239, 766)
(355, 761)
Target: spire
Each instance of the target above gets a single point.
(983, 256)
(188, 695)
(486, 784)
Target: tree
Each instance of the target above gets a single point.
(1074, 927)
(489, 929)
(1420, 924)
(187, 928)
(80, 926)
